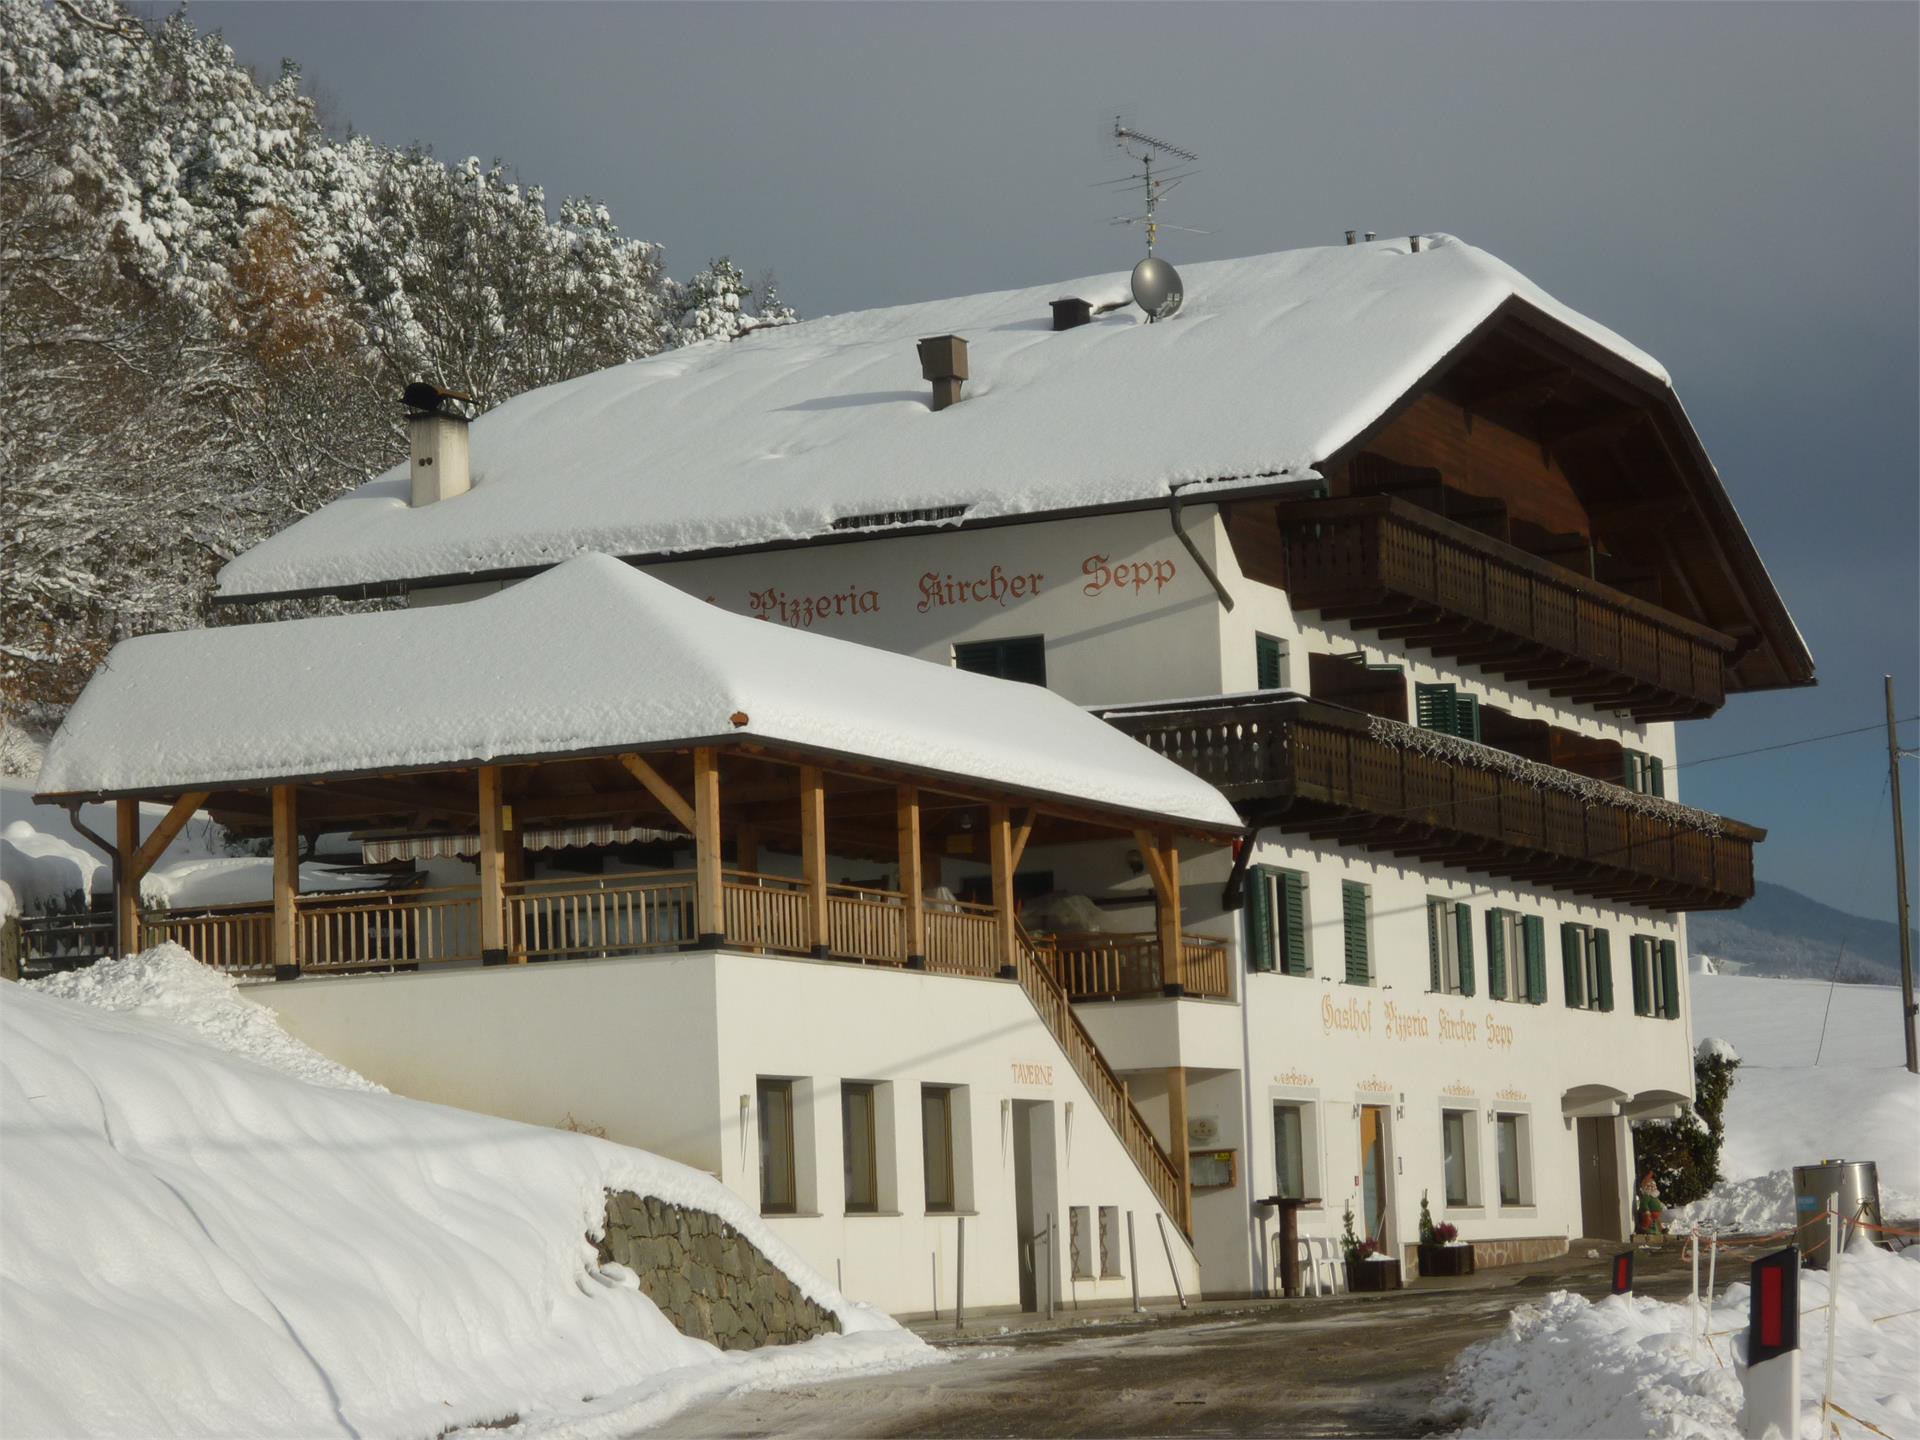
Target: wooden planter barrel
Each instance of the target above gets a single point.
(1373, 1275)
(1438, 1260)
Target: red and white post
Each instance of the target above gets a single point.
(1772, 1376)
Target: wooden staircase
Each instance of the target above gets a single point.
(1051, 1001)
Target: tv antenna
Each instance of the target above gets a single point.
(1145, 150)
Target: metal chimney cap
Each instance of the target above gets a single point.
(423, 397)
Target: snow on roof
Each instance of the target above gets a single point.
(590, 656)
(1273, 364)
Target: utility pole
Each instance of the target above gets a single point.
(1900, 887)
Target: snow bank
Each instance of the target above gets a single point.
(1856, 1103)
(166, 983)
(199, 1244)
(1632, 1365)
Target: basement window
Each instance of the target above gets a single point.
(1020, 657)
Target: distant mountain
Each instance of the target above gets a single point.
(1782, 932)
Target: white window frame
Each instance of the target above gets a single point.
(1513, 955)
(1522, 1122)
(1470, 1126)
(1309, 1107)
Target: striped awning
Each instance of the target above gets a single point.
(377, 850)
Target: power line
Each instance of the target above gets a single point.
(1789, 744)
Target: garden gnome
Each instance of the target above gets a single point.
(1649, 1206)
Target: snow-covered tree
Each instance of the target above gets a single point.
(719, 304)
(208, 308)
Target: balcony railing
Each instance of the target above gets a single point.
(1387, 566)
(1111, 966)
(1355, 779)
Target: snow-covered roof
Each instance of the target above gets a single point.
(1274, 363)
(592, 656)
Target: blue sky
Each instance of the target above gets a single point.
(1734, 187)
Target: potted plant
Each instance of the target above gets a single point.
(1368, 1266)
(1442, 1251)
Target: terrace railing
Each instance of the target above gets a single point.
(576, 916)
(1116, 966)
(1385, 564)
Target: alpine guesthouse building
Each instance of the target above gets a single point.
(1340, 864)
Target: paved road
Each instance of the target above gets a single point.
(1349, 1366)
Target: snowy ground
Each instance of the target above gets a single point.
(1856, 1103)
(1635, 1366)
(211, 1230)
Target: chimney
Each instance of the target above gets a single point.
(943, 360)
(1414, 242)
(1352, 235)
(436, 442)
(1369, 237)
(1071, 313)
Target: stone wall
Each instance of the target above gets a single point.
(706, 1277)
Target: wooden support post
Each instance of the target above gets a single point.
(493, 870)
(912, 883)
(709, 899)
(513, 870)
(286, 883)
(126, 885)
(1021, 832)
(1177, 1142)
(813, 855)
(1000, 851)
(1173, 954)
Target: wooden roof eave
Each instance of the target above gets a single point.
(742, 741)
(1516, 317)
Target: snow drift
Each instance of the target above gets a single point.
(202, 1243)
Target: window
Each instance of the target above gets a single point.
(1656, 977)
(1290, 1151)
(1642, 773)
(1353, 913)
(1080, 1241)
(1110, 1242)
(779, 1180)
(1456, 1141)
(936, 1141)
(1447, 709)
(1024, 658)
(1586, 965)
(1516, 1160)
(1516, 957)
(1277, 921)
(1269, 663)
(859, 1129)
(1449, 947)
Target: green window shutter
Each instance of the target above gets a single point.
(1656, 776)
(1496, 954)
(1436, 916)
(1573, 942)
(1466, 717)
(1266, 662)
(1259, 918)
(1463, 921)
(1353, 904)
(1433, 707)
(1603, 968)
(1534, 929)
(1640, 962)
(1293, 928)
(1630, 769)
(1670, 978)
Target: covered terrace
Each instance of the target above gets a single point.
(804, 795)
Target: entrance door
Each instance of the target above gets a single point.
(1034, 1203)
(1602, 1208)
(1375, 1167)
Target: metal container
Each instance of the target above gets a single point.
(1856, 1182)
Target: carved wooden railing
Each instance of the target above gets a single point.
(599, 915)
(1318, 769)
(1384, 562)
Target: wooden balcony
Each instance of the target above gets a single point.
(1110, 966)
(1341, 776)
(1389, 567)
